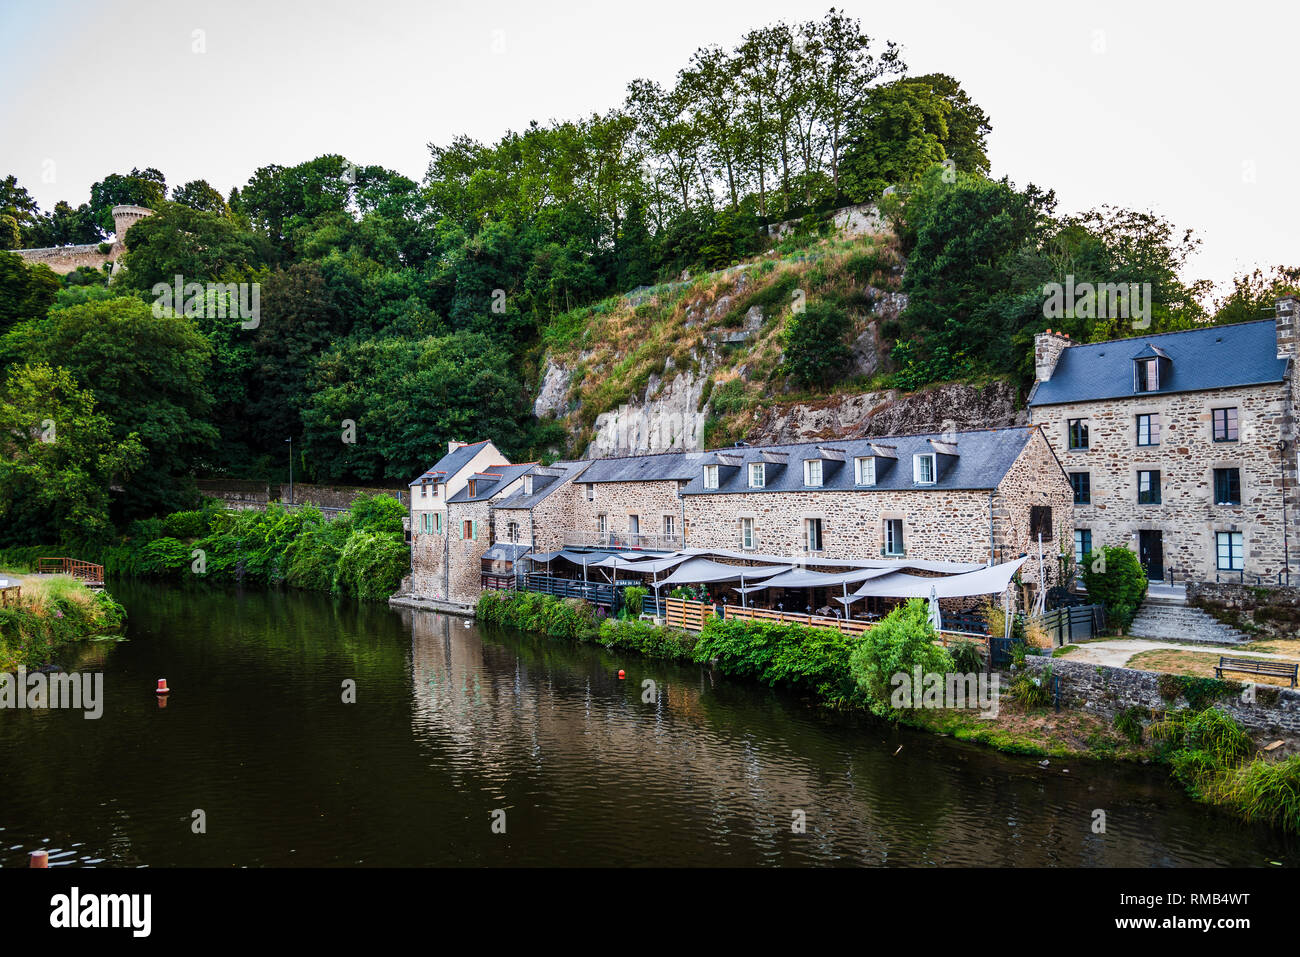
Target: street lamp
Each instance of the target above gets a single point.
(290, 441)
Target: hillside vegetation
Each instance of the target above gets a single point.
(800, 306)
(568, 267)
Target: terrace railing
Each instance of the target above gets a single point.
(629, 540)
(598, 593)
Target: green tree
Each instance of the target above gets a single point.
(200, 194)
(140, 187)
(902, 642)
(816, 348)
(58, 459)
(199, 246)
(26, 292)
(149, 378)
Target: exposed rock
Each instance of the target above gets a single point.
(672, 420)
(939, 409)
(552, 397)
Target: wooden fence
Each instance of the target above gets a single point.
(88, 572)
(849, 627)
(680, 613)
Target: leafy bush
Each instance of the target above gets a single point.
(809, 659)
(1033, 690)
(1115, 578)
(901, 642)
(966, 657)
(1128, 722)
(648, 639)
(816, 345)
(634, 600)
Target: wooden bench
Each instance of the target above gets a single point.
(1258, 666)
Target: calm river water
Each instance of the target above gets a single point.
(453, 723)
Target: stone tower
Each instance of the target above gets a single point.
(124, 217)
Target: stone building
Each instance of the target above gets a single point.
(66, 259)
(971, 496)
(1180, 446)
(430, 493)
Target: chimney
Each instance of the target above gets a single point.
(1288, 313)
(1048, 347)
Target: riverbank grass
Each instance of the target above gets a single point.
(53, 612)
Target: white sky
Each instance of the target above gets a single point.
(1184, 108)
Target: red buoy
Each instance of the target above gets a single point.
(621, 676)
(40, 859)
(162, 687)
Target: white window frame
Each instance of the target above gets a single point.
(591, 491)
(808, 526)
(710, 476)
(812, 469)
(670, 522)
(864, 470)
(888, 537)
(528, 485)
(916, 468)
(747, 534)
(757, 471)
(602, 524)
(1236, 551)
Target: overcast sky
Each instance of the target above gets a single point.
(1185, 108)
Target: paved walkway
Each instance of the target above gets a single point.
(1116, 654)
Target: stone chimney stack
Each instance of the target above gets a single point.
(1288, 314)
(1048, 347)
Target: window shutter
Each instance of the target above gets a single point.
(916, 468)
(473, 530)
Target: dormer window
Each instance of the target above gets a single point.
(473, 488)
(1146, 375)
(528, 485)
(710, 476)
(812, 473)
(923, 469)
(757, 477)
(591, 491)
(864, 470)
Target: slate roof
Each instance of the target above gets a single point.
(556, 474)
(983, 458)
(490, 481)
(1215, 357)
(659, 467)
(451, 463)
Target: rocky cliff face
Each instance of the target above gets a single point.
(943, 408)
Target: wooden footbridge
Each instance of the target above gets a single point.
(88, 572)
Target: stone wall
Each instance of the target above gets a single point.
(619, 501)
(1186, 458)
(338, 496)
(465, 554)
(65, 259)
(1106, 691)
(1269, 611)
(429, 556)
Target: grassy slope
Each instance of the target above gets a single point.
(615, 346)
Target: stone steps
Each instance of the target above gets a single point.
(1175, 622)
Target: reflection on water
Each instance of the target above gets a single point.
(453, 723)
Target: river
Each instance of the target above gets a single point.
(459, 730)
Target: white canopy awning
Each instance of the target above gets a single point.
(988, 580)
(644, 564)
(702, 571)
(802, 578)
